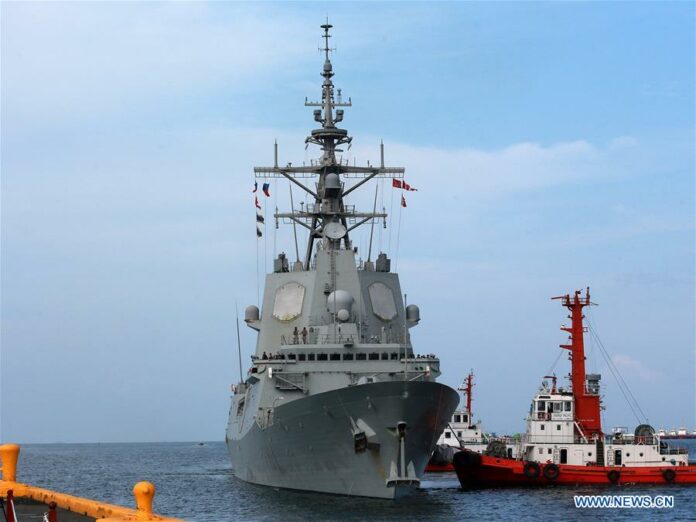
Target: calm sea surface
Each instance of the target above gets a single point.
(196, 483)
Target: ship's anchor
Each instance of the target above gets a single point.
(408, 474)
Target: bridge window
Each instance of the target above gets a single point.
(394, 356)
(347, 356)
(292, 356)
(302, 357)
(541, 406)
(457, 418)
(374, 357)
(465, 418)
(385, 356)
(335, 356)
(310, 357)
(557, 406)
(360, 356)
(322, 357)
(566, 405)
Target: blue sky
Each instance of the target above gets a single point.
(552, 145)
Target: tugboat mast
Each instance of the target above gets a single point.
(328, 217)
(585, 390)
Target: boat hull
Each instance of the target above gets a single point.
(477, 471)
(311, 444)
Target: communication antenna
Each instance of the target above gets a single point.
(294, 225)
(239, 342)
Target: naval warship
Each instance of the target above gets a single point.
(336, 400)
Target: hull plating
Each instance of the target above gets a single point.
(311, 443)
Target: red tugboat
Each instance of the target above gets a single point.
(565, 443)
(463, 433)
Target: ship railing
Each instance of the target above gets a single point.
(338, 338)
(630, 440)
(669, 450)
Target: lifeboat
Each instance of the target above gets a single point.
(565, 443)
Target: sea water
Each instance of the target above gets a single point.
(195, 482)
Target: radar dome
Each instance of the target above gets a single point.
(340, 303)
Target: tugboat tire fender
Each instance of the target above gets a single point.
(531, 470)
(551, 471)
(669, 475)
(614, 476)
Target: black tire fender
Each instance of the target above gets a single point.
(669, 475)
(531, 470)
(551, 471)
(614, 476)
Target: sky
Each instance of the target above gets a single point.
(552, 145)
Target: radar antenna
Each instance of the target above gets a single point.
(329, 214)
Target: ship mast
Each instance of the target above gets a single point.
(329, 217)
(585, 392)
(467, 388)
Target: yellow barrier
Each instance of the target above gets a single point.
(144, 493)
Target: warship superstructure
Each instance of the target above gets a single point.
(336, 400)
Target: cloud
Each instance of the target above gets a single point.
(65, 61)
(633, 367)
(473, 173)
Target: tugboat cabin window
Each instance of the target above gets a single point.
(394, 356)
(465, 418)
(335, 356)
(360, 356)
(310, 357)
(448, 435)
(566, 405)
(302, 357)
(457, 418)
(459, 434)
(541, 406)
(347, 356)
(557, 407)
(374, 357)
(542, 427)
(385, 356)
(322, 357)
(558, 427)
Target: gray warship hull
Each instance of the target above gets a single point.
(311, 446)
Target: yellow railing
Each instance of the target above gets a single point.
(144, 493)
